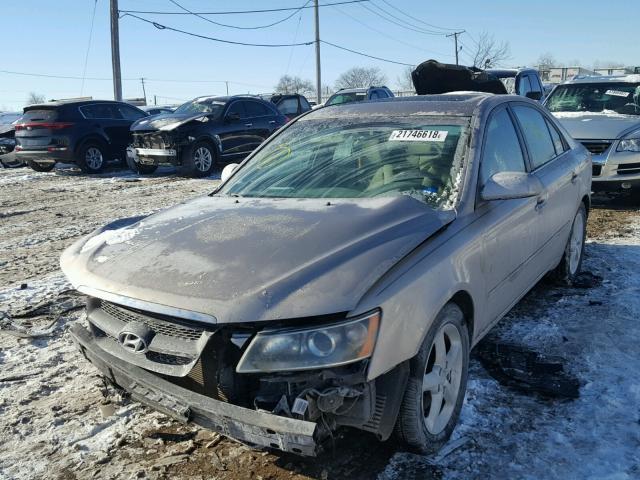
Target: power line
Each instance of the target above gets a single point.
(159, 26)
(365, 54)
(238, 27)
(238, 12)
(401, 23)
(86, 56)
(383, 33)
(417, 19)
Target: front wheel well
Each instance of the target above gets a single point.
(587, 203)
(465, 302)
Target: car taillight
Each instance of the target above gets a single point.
(49, 125)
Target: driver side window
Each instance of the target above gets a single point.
(502, 151)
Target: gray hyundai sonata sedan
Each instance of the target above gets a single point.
(341, 274)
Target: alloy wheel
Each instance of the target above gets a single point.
(442, 378)
(202, 159)
(575, 244)
(93, 158)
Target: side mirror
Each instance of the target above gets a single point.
(232, 117)
(534, 95)
(228, 171)
(510, 185)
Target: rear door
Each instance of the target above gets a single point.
(103, 118)
(124, 115)
(508, 225)
(261, 121)
(552, 162)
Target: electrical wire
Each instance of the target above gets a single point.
(401, 23)
(238, 27)
(417, 19)
(86, 56)
(365, 54)
(159, 26)
(238, 12)
(295, 37)
(385, 34)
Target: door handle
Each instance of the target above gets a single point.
(248, 124)
(574, 177)
(540, 203)
(272, 122)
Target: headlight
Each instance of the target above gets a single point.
(309, 348)
(629, 145)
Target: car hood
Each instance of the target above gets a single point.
(165, 122)
(597, 126)
(242, 260)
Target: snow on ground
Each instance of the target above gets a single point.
(58, 421)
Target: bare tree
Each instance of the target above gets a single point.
(361, 77)
(290, 84)
(547, 61)
(404, 80)
(35, 98)
(489, 52)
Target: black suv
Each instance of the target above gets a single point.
(88, 133)
(202, 133)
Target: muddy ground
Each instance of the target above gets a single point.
(59, 421)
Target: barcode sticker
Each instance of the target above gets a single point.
(617, 93)
(300, 406)
(418, 136)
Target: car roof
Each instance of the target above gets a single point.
(453, 104)
(634, 78)
(509, 72)
(79, 103)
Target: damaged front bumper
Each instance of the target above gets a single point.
(256, 428)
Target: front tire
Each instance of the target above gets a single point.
(92, 157)
(437, 383)
(41, 167)
(198, 161)
(571, 264)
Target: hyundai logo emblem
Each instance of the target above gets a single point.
(132, 342)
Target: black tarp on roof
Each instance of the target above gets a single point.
(433, 77)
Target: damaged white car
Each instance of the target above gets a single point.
(341, 274)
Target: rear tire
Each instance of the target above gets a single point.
(570, 265)
(92, 157)
(41, 167)
(198, 161)
(437, 383)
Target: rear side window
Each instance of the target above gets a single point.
(536, 134)
(48, 115)
(502, 150)
(304, 104)
(556, 137)
(255, 109)
(99, 111)
(289, 106)
(130, 113)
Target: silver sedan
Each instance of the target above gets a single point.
(342, 273)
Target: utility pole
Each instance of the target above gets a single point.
(318, 76)
(455, 38)
(227, 84)
(115, 52)
(144, 92)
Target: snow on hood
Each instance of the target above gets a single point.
(598, 126)
(254, 259)
(164, 122)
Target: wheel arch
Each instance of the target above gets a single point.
(92, 137)
(587, 203)
(463, 299)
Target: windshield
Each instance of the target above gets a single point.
(201, 105)
(340, 158)
(622, 97)
(340, 98)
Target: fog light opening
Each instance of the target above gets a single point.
(626, 185)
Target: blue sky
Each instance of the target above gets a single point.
(51, 37)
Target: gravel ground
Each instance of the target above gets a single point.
(59, 421)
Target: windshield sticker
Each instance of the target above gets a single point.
(617, 93)
(418, 136)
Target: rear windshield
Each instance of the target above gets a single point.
(44, 115)
(623, 97)
(340, 158)
(340, 98)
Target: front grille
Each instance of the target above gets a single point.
(168, 359)
(596, 170)
(161, 327)
(629, 169)
(597, 148)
